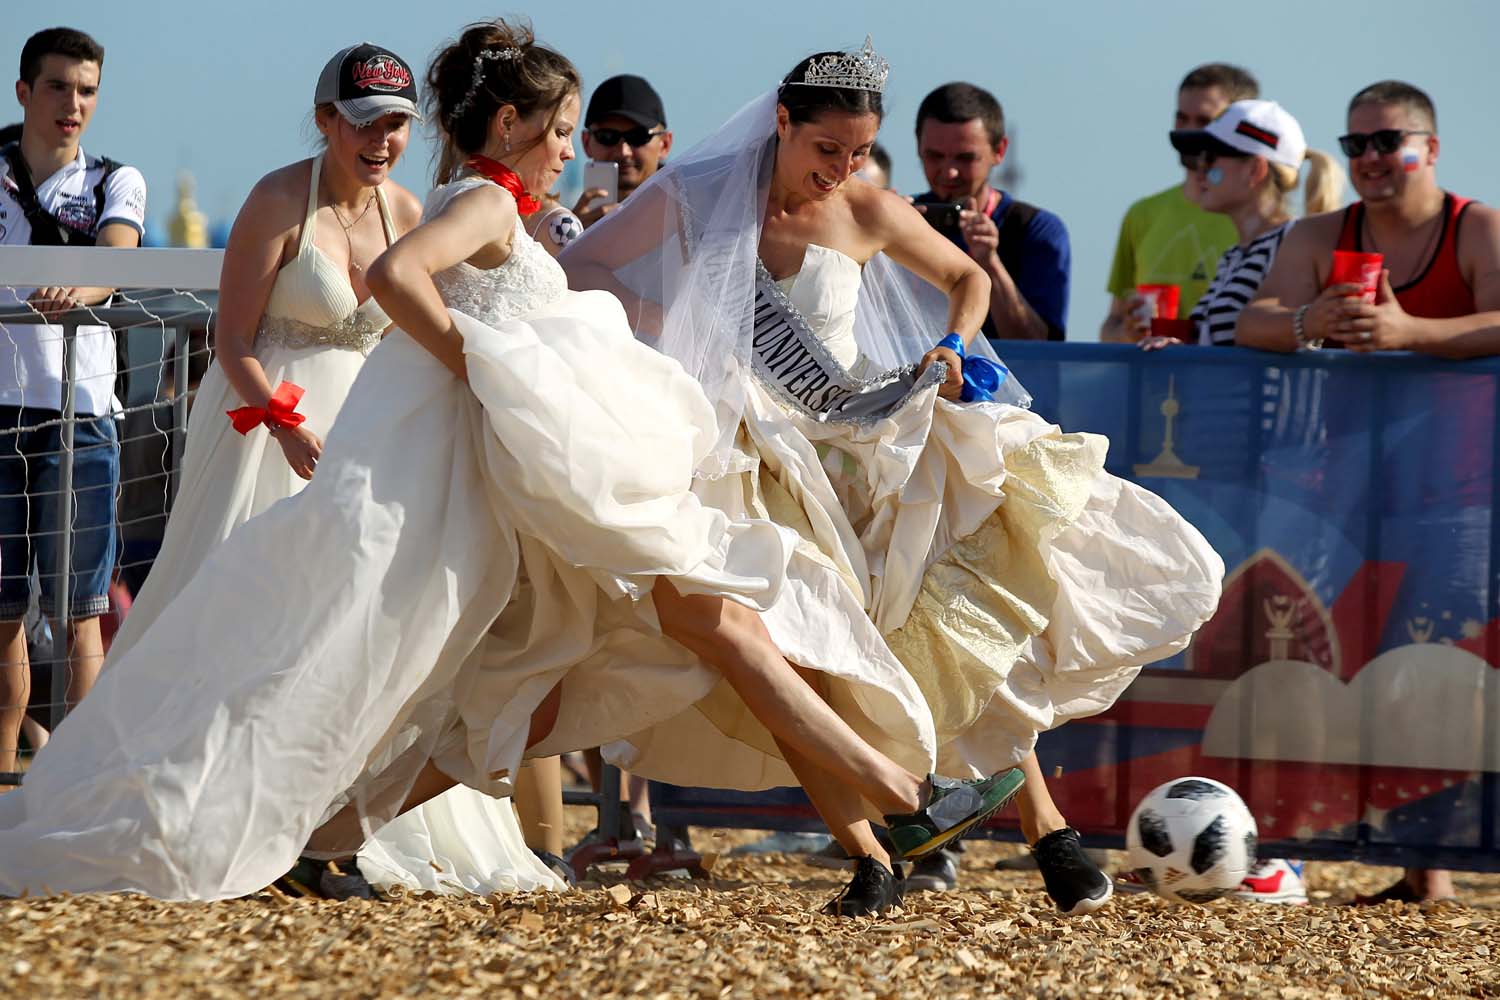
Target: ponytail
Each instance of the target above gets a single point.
(1324, 190)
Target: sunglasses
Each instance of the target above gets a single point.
(1385, 141)
(638, 136)
(1205, 159)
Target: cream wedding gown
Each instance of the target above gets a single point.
(1018, 583)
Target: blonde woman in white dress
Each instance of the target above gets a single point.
(295, 311)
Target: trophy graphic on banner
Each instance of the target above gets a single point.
(1280, 610)
(1166, 465)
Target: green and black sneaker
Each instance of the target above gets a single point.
(953, 808)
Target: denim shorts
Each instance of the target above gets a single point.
(30, 470)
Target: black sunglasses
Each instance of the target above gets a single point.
(1204, 159)
(638, 136)
(1385, 141)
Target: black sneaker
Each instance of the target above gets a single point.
(1073, 881)
(302, 880)
(874, 889)
(937, 872)
(343, 880)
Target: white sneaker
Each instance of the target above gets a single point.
(1274, 881)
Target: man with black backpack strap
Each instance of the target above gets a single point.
(1024, 249)
(53, 194)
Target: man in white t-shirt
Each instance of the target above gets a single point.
(51, 193)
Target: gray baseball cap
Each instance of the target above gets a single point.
(365, 82)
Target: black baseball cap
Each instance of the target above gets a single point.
(365, 82)
(629, 97)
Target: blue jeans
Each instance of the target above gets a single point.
(30, 470)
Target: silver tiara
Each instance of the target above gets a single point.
(862, 70)
(499, 55)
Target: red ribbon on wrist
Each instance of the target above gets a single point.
(280, 410)
(506, 178)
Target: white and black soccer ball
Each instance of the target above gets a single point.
(1191, 840)
(563, 228)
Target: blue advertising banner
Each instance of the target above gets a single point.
(1347, 686)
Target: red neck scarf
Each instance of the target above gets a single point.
(506, 178)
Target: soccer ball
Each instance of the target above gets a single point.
(1191, 840)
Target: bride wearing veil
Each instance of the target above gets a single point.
(1017, 582)
(500, 556)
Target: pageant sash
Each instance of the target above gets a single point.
(803, 374)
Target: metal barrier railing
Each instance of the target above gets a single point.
(161, 329)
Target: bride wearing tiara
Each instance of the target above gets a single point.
(501, 555)
(1018, 583)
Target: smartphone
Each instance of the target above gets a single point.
(943, 215)
(606, 175)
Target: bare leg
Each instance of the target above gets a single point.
(594, 761)
(15, 691)
(1039, 814)
(36, 734)
(1430, 883)
(838, 804)
(539, 804)
(85, 657)
(343, 832)
(734, 640)
(638, 792)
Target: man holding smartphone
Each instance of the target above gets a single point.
(625, 126)
(1024, 249)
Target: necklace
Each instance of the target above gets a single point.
(346, 226)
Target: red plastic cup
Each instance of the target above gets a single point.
(1350, 268)
(1163, 299)
(1178, 329)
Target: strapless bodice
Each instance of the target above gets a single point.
(826, 292)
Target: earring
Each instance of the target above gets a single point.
(507, 140)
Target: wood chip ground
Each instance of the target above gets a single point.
(754, 932)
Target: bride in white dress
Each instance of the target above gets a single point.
(294, 311)
(500, 555)
(1017, 583)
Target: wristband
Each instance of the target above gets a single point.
(279, 412)
(981, 375)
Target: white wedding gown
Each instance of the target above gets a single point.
(462, 551)
(1017, 582)
(316, 334)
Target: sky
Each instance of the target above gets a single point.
(1088, 86)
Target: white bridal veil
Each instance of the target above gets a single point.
(682, 254)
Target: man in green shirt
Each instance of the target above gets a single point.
(1165, 239)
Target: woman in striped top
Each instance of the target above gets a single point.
(1245, 165)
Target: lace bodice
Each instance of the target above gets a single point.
(826, 292)
(528, 280)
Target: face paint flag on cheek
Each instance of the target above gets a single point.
(1215, 176)
(1411, 160)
